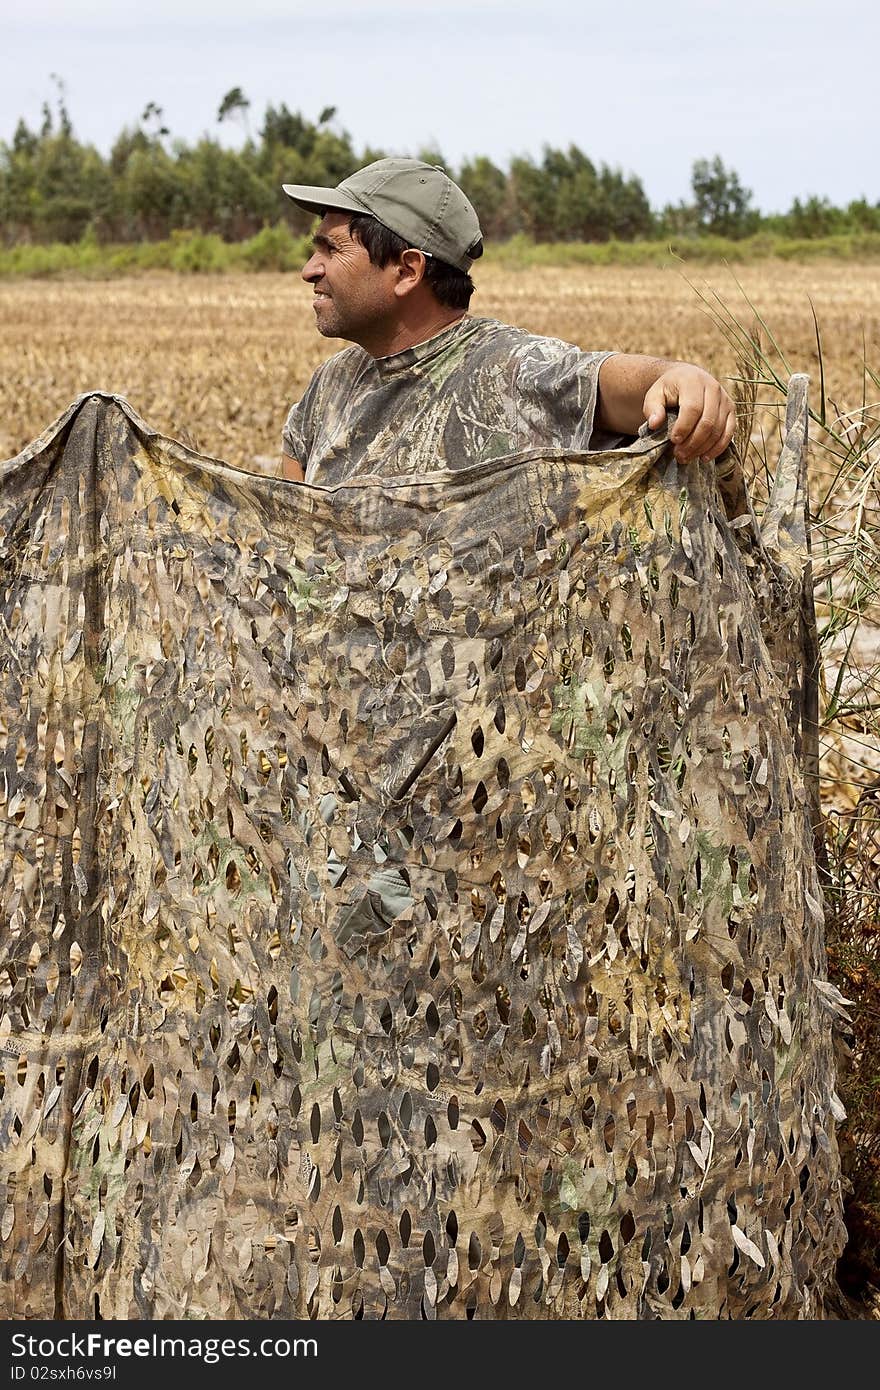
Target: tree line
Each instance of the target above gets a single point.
(55, 188)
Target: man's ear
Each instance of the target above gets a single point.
(410, 271)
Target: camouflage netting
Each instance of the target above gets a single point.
(410, 903)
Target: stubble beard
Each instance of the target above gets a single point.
(352, 327)
(328, 320)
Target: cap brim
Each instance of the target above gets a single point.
(312, 199)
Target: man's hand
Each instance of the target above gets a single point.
(633, 389)
(706, 415)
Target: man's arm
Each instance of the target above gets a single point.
(291, 470)
(633, 389)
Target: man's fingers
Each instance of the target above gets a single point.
(712, 432)
(654, 406)
(725, 434)
(706, 418)
(690, 414)
(714, 446)
(722, 438)
(702, 438)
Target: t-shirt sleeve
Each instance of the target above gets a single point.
(293, 440)
(298, 435)
(558, 382)
(308, 421)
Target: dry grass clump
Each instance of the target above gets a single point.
(845, 515)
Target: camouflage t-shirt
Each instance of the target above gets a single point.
(477, 390)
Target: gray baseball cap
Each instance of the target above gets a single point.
(414, 199)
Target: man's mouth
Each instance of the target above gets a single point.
(319, 294)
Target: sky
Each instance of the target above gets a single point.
(785, 91)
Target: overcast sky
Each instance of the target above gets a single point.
(784, 90)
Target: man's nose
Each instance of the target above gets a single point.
(312, 270)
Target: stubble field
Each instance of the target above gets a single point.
(217, 360)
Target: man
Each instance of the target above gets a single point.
(427, 386)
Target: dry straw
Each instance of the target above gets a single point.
(845, 499)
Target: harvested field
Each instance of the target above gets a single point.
(216, 360)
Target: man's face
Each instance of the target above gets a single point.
(353, 299)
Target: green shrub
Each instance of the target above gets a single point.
(274, 248)
(198, 253)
